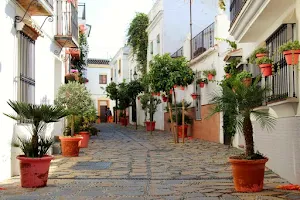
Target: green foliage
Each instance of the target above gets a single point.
(149, 105)
(165, 72)
(241, 103)
(88, 118)
(187, 119)
(263, 60)
(231, 67)
(222, 5)
(295, 45)
(200, 80)
(134, 88)
(179, 105)
(124, 98)
(243, 75)
(112, 91)
(138, 40)
(210, 71)
(257, 51)
(93, 131)
(80, 64)
(36, 117)
(232, 44)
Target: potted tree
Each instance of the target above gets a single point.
(35, 163)
(241, 104)
(209, 73)
(291, 51)
(265, 65)
(258, 53)
(75, 98)
(245, 77)
(201, 82)
(149, 105)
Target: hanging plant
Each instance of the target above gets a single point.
(209, 74)
(258, 53)
(265, 65)
(201, 82)
(291, 51)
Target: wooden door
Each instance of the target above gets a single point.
(102, 113)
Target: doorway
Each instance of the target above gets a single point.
(103, 117)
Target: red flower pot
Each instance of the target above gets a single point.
(165, 99)
(248, 175)
(228, 75)
(175, 86)
(247, 81)
(171, 91)
(153, 93)
(84, 143)
(34, 171)
(202, 84)
(261, 55)
(179, 130)
(181, 87)
(124, 121)
(266, 69)
(194, 96)
(292, 57)
(158, 93)
(150, 126)
(210, 77)
(70, 146)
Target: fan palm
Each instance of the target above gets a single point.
(241, 103)
(37, 116)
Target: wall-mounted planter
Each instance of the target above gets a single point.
(260, 55)
(292, 57)
(201, 84)
(248, 81)
(194, 96)
(164, 98)
(181, 87)
(266, 69)
(228, 75)
(210, 77)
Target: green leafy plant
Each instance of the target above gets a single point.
(232, 44)
(138, 40)
(75, 98)
(243, 75)
(80, 64)
(241, 103)
(36, 117)
(200, 80)
(222, 5)
(149, 105)
(210, 71)
(263, 60)
(94, 131)
(292, 45)
(88, 118)
(187, 119)
(259, 50)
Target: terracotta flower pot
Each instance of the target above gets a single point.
(175, 86)
(158, 94)
(70, 146)
(150, 126)
(292, 57)
(179, 131)
(84, 143)
(210, 77)
(194, 96)
(124, 121)
(228, 75)
(266, 69)
(261, 55)
(248, 175)
(181, 87)
(171, 91)
(201, 84)
(34, 171)
(247, 81)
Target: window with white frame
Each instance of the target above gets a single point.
(27, 68)
(158, 44)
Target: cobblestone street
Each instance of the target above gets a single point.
(122, 163)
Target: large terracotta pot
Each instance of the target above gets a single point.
(150, 126)
(84, 143)
(179, 130)
(248, 175)
(247, 81)
(292, 57)
(124, 121)
(70, 146)
(34, 171)
(266, 69)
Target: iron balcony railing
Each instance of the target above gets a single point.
(81, 11)
(283, 81)
(235, 8)
(50, 3)
(74, 22)
(203, 41)
(178, 53)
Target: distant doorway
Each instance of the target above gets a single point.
(102, 113)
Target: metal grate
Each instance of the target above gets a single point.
(178, 53)
(235, 8)
(92, 165)
(203, 41)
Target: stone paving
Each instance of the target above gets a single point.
(122, 163)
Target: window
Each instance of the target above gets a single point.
(102, 79)
(120, 64)
(151, 48)
(27, 68)
(158, 44)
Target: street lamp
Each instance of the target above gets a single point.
(135, 75)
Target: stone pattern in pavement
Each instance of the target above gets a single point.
(122, 163)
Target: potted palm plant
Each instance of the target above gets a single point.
(265, 65)
(35, 163)
(291, 51)
(209, 73)
(248, 168)
(245, 77)
(75, 98)
(201, 82)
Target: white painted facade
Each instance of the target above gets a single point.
(120, 65)
(49, 75)
(281, 145)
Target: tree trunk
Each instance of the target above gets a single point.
(35, 145)
(116, 112)
(248, 133)
(176, 115)
(72, 125)
(171, 123)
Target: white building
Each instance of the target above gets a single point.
(119, 65)
(32, 63)
(99, 74)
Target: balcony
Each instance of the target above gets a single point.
(255, 20)
(203, 41)
(67, 24)
(178, 53)
(38, 7)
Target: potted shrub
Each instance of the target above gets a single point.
(35, 163)
(258, 53)
(75, 98)
(150, 104)
(265, 65)
(187, 121)
(209, 74)
(291, 51)
(201, 82)
(245, 77)
(248, 168)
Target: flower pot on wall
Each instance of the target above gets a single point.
(210, 77)
(292, 57)
(260, 55)
(150, 126)
(248, 175)
(164, 98)
(179, 130)
(247, 81)
(34, 171)
(194, 96)
(181, 87)
(70, 146)
(201, 84)
(228, 75)
(266, 69)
